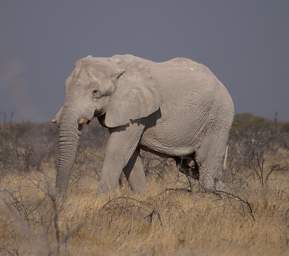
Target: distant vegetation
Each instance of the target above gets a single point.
(174, 217)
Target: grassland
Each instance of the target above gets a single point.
(173, 217)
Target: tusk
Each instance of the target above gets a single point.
(56, 118)
(83, 120)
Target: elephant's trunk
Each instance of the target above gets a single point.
(66, 149)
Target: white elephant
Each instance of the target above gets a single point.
(178, 108)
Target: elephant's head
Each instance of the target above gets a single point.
(94, 88)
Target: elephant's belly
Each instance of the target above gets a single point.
(170, 141)
(171, 151)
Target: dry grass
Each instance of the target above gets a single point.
(167, 220)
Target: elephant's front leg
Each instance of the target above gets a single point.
(119, 149)
(134, 171)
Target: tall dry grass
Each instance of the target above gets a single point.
(167, 220)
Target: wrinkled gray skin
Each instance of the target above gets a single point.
(175, 108)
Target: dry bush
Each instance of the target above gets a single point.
(257, 148)
(26, 146)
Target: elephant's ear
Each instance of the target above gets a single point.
(135, 97)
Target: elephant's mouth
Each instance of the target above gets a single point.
(101, 120)
(84, 121)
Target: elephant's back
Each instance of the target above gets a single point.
(180, 62)
(184, 85)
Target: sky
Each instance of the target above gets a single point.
(244, 42)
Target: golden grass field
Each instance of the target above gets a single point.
(166, 220)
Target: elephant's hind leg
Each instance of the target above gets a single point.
(211, 156)
(135, 174)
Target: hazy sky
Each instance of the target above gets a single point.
(245, 42)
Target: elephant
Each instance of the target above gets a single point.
(177, 108)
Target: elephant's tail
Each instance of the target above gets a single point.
(226, 158)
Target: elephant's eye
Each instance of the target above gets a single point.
(96, 93)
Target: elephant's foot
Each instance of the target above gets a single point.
(105, 187)
(220, 186)
(139, 187)
(137, 179)
(208, 183)
(102, 188)
(211, 184)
